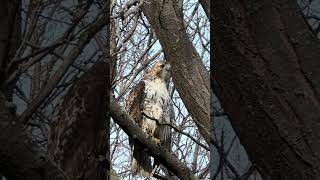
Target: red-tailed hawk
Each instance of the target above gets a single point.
(147, 103)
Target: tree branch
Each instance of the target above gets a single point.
(85, 38)
(21, 158)
(158, 152)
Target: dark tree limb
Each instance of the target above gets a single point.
(21, 158)
(158, 152)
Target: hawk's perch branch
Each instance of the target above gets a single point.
(158, 152)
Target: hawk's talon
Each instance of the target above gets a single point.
(157, 141)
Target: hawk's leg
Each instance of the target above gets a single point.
(150, 132)
(156, 140)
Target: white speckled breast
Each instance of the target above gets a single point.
(157, 104)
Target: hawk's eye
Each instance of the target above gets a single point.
(162, 65)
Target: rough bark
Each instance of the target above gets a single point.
(20, 157)
(9, 37)
(160, 153)
(77, 138)
(268, 68)
(188, 72)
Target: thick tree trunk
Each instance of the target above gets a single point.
(78, 138)
(268, 66)
(188, 71)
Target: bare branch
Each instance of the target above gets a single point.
(85, 38)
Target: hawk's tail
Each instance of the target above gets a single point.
(141, 162)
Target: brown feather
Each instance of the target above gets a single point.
(141, 162)
(135, 102)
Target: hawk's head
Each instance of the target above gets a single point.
(161, 70)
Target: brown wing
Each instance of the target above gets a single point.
(140, 162)
(134, 103)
